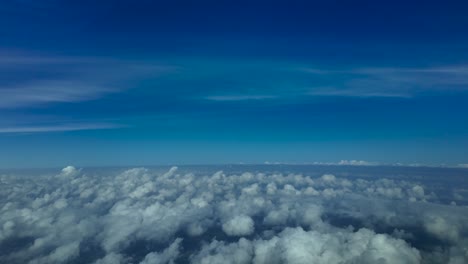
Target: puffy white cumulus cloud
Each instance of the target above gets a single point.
(240, 225)
(69, 171)
(168, 256)
(219, 252)
(111, 258)
(151, 216)
(297, 246)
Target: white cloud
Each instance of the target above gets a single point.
(168, 256)
(240, 225)
(297, 246)
(70, 171)
(219, 252)
(196, 217)
(350, 163)
(328, 178)
(356, 163)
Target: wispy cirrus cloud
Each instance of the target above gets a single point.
(20, 59)
(363, 93)
(42, 92)
(239, 97)
(283, 80)
(389, 81)
(58, 128)
(32, 80)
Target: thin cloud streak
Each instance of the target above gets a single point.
(364, 82)
(58, 128)
(50, 92)
(350, 93)
(459, 69)
(388, 81)
(15, 59)
(36, 80)
(240, 97)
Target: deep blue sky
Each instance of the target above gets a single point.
(94, 83)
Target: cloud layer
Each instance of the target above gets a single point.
(153, 216)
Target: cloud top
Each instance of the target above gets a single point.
(151, 216)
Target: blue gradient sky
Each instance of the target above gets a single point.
(96, 83)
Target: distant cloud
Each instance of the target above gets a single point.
(349, 163)
(367, 163)
(357, 163)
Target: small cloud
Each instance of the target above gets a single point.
(241, 225)
(70, 171)
(357, 163)
(349, 163)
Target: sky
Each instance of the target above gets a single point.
(107, 83)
